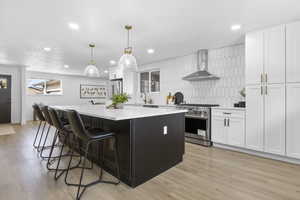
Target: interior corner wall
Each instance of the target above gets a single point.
(71, 91)
(16, 88)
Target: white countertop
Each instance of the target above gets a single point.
(128, 112)
(228, 108)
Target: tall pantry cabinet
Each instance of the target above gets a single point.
(293, 90)
(265, 90)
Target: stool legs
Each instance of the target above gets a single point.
(39, 145)
(44, 143)
(82, 187)
(36, 135)
(78, 195)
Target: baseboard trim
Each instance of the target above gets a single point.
(257, 153)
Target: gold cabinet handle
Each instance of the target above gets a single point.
(261, 90)
(266, 90)
(266, 78)
(261, 78)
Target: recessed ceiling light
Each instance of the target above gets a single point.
(66, 66)
(236, 27)
(150, 51)
(73, 26)
(105, 71)
(112, 62)
(47, 49)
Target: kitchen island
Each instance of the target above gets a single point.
(150, 140)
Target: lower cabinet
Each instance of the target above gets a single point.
(218, 129)
(228, 126)
(254, 118)
(265, 118)
(293, 120)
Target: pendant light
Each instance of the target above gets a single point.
(91, 70)
(128, 62)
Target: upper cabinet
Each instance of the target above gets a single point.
(254, 57)
(265, 56)
(293, 52)
(115, 73)
(274, 55)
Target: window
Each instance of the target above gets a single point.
(144, 82)
(150, 81)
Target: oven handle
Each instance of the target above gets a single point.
(195, 117)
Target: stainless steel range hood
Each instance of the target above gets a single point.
(202, 68)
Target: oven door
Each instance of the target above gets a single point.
(197, 127)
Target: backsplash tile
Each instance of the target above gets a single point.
(228, 63)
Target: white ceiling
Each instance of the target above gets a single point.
(171, 27)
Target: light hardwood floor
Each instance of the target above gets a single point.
(205, 174)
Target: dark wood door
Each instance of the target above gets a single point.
(5, 98)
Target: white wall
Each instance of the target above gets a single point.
(16, 90)
(228, 63)
(71, 93)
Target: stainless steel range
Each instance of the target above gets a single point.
(198, 123)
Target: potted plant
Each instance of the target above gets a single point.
(118, 100)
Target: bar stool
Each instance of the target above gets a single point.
(89, 136)
(64, 134)
(47, 117)
(39, 114)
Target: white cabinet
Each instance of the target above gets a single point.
(254, 117)
(218, 130)
(254, 57)
(275, 119)
(228, 127)
(265, 118)
(293, 52)
(236, 131)
(293, 120)
(274, 55)
(265, 56)
(115, 73)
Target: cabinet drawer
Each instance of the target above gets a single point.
(228, 113)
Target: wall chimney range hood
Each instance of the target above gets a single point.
(202, 68)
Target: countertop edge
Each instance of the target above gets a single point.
(228, 108)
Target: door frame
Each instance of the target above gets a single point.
(18, 95)
(9, 82)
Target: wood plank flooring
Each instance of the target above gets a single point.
(205, 174)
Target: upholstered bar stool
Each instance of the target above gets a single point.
(47, 117)
(42, 123)
(64, 134)
(87, 137)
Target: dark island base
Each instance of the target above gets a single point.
(144, 150)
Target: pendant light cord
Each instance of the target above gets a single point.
(127, 38)
(92, 55)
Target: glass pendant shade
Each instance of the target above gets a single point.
(91, 71)
(128, 63)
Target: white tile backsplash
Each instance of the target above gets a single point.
(228, 63)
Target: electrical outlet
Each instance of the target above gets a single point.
(165, 130)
